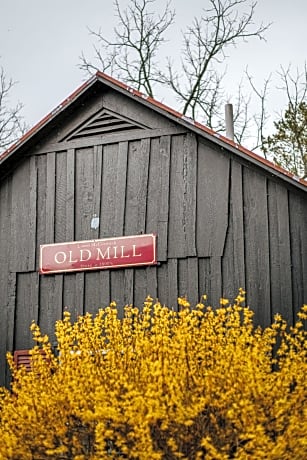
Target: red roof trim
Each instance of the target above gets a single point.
(160, 105)
(47, 118)
(202, 127)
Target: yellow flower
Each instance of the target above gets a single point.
(160, 382)
(224, 301)
(182, 301)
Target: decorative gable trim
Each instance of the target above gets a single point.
(102, 123)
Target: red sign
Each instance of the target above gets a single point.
(126, 251)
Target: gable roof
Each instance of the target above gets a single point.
(16, 150)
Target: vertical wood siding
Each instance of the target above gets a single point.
(298, 225)
(221, 224)
(280, 250)
(212, 201)
(158, 192)
(136, 187)
(233, 262)
(26, 311)
(23, 217)
(256, 233)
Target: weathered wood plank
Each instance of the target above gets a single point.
(88, 192)
(32, 205)
(137, 180)
(10, 321)
(113, 189)
(190, 175)
(131, 109)
(50, 304)
(129, 286)
(105, 281)
(152, 282)
(233, 259)
(84, 193)
(280, 257)
(24, 183)
(109, 139)
(257, 261)
(154, 184)
(11, 309)
(60, 198)
(182, 212)
(80, 292)
(177, 218)
(70, 195)
(65, 196)
(183, 284)
(4, 236)
(216, 282)
(165, 156)
(97, 290)
(41, 199)
(45, 200)
(172, 283)
(188, 279)
(50, 198)
(210, 279)
(118, 289)
(162, 276)
(158, 193)
(230, 283)
(27, 300)
(97, 177)
(193, 287)
(298, 225)
(304, 246)
(204, 278)
(120, 192)
(108, 200)
(212, 201)
(140, 286)
(73, 294)
(238, 225)
(74, 119)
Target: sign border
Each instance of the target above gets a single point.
(107, 267)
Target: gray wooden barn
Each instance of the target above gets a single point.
(224, 217)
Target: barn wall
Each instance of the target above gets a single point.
(221, 224)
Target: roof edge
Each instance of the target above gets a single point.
(47, 118)
(202, 127)
(101, 76)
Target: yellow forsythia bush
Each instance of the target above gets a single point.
(160, 384)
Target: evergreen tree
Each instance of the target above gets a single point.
(288, 145)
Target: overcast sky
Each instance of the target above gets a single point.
(41, 41)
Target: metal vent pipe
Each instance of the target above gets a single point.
(229, 121)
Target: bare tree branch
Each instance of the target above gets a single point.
(198, 85)
(205, 45)
(137, 39)
(241, 117)
(295, 86)
(11, 122)
(260, 119)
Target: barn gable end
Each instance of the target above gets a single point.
(223, 219)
